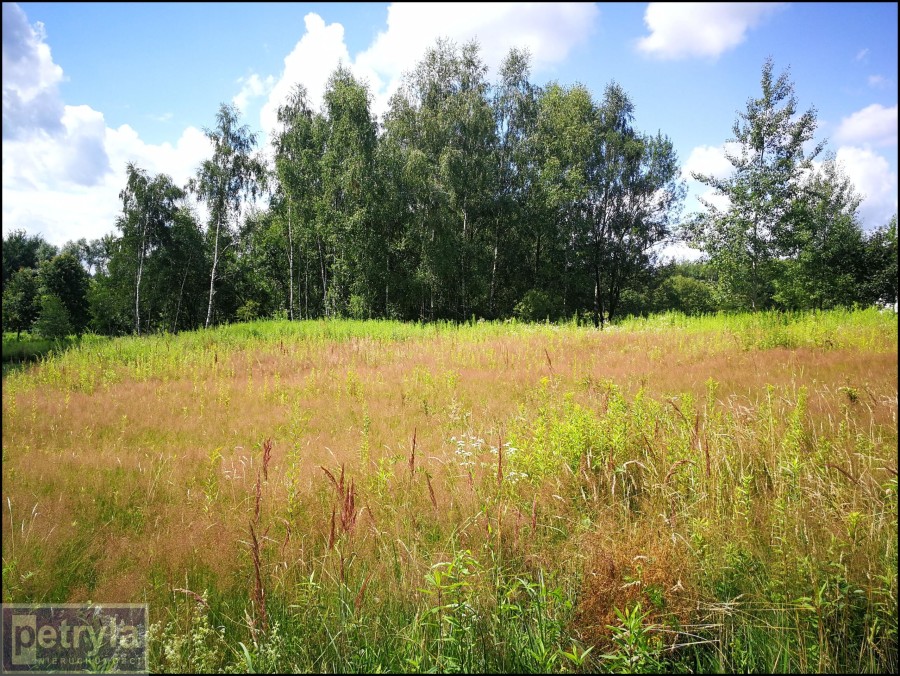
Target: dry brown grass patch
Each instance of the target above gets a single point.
(622, 564)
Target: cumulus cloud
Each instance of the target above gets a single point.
(710, 161)
(63, 167)
(39, 192)
(179, 161)
(310, 63)
(874, 180)
(77, 157)
(252, 87)
(679, 251)
(43, 139)
(30, 96)
(684, 30)
(549, 31)
(873, 124)
(720, 202)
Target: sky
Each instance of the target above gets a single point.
(90, 87)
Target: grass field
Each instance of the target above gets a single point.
(671, 494)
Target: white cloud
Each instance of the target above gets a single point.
(251, 88)
(549, 31)
(179, 161)
(683, 30)
(310, 63)
(679, 251)
(709, 160)
(873, 124)
(30, 97)
(39, 192)
(874, 180)
(878, 81)
(63, 167)
(862, 54)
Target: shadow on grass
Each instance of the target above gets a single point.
(20, 353)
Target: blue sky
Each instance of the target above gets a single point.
(88, 87)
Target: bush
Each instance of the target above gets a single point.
(688, 295)
(537, 306)
(248, 311)
(54, 322)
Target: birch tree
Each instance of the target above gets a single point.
(149, 206)
(224, 183)
(298, 148)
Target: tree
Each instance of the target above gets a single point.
(298, 147)
(149, 206)
(634, 191)
(610, 190)
(822, 264)
(347, 171)
(172, 293)
(20, 301)
(516, 221)
(183, 270)
(21, 250)
(881, 265)
(742, 240)
(64, 277)
(78, 248)
(224, 182)
(565, 144)
(441, 126)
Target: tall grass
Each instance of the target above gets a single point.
(675, 494)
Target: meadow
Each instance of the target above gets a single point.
(670, 494)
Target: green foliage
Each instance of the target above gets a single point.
(21, 250)
(743, 240)
(111, 312)
(64, 277)
(248, 311)
(636, 649)
(53, 322)
(686, 294)
(825, 264)
(441, 133)
(881, 263)
(20, 301)
(149, 209)
(536, 306)
(188, 643)
(224, 183)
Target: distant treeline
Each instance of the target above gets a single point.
(470, 199)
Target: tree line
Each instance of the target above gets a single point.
(470, 199)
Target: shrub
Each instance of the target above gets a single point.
(536, 306)
(54, 322)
